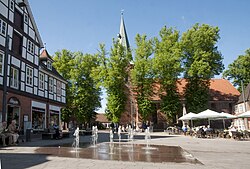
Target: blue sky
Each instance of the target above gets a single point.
(81, 25)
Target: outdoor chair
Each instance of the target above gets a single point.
(237, 135)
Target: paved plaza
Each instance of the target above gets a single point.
(212, 153)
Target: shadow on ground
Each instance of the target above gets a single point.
(21, 160)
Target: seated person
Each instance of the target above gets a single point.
(13, 131)
(202, 132)
(184, 129)
(57, 133)
(4, 133)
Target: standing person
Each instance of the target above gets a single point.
(4, 133)
(13, 131)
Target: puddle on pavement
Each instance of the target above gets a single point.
(122, 152)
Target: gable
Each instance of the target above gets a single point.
(32, 22)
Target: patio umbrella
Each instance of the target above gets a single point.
(226, 116)
(209, 114)
(244, 115)
(190, 116)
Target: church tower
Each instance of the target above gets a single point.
(122, 35)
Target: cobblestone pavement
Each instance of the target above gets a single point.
(212, 153)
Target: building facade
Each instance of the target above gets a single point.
(31, 90)
(242, 106)
(223, 97)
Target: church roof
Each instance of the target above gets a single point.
(219, 89)
(122, 36)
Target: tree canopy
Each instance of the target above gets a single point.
(201, 62)
(167, 68)
(239, 70)
(83, 94)
(142, 74)
(112, 74)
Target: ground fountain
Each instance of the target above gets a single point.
(147, 137)
(130, 151)
(94, 136)
(75, 144)
(111, 136)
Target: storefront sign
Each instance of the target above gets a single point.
(14, 101)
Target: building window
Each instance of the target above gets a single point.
(30, 47)
(49, 65)
(26, 18)
(12, 5)
(3, 26)
(59, 88)
(51, 85)
(17, 43)
(41, 80)
(14, 77)
(1, 63)
(29, 76)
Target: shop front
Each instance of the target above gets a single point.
(55, 115)
(38, 115)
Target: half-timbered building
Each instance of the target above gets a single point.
(31, 90)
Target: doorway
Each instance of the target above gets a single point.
(13, 114)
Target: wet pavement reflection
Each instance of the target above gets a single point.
(123, 152)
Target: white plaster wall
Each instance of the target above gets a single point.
(35, 90)
(1, 80)
(41, 93)
(25, 28)
(63, 85)
(35, 72)
(51, 96)
(5, 2)
(36, 60)
(22, 76)
(35, 81)
(23, 66)
(36, 50)
(63, 100)
(4, 10)
(15, 62)
(22, 86)
(31, 33)
(10, 31)
(24, 53)
(11, 16)
(2, 41)
(63, 93)
(29, 57)
(29, 89)
(24, 41)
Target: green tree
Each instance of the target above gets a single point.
(201, 61)
(142, 75)
(167, 68)
(82, 92)
(64, 64)
(112, 75)
(87, 92)
(239, 70)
